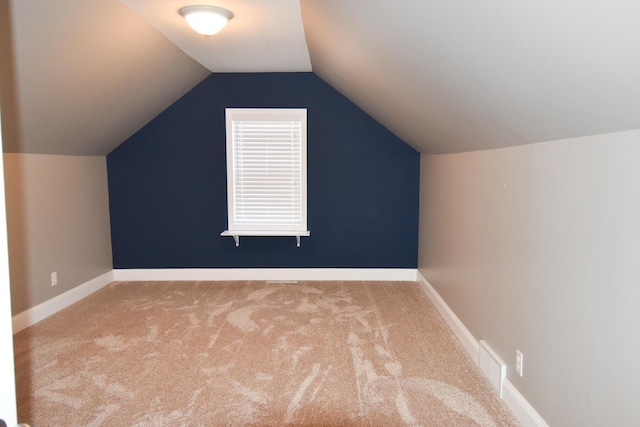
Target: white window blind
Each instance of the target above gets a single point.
(266, 170)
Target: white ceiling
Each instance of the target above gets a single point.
(461, 75)
(79, 77)
(262, 36)
(86, 75)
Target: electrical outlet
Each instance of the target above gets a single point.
(54, 278)
(519, 362)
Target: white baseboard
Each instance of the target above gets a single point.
(460, 331)
(369, 274)
(511, 396)
(520, 407)
(42, 311)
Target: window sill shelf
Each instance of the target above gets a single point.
(237, 233)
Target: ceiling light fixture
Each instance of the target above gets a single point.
(206, 20)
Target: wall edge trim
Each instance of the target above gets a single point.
(470, 344)
(369, 274)
(45, 309)
(520, 407)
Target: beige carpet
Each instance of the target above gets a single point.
(251, 354)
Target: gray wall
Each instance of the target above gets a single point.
(58, 220)
(538, 248)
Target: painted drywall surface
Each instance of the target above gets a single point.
(450, 76)
(167, 184)
(58, 220)
(8, 413)
(538, 248)
(87, 75)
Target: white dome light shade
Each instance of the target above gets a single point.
(206, 20)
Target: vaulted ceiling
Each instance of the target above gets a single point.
(79, 77)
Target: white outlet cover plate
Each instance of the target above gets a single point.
(519, 362)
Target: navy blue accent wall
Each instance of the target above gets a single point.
(167, 184)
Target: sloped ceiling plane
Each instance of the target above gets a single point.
(80, 77)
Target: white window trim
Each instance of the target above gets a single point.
(264, 114)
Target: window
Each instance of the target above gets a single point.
(266, 172)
